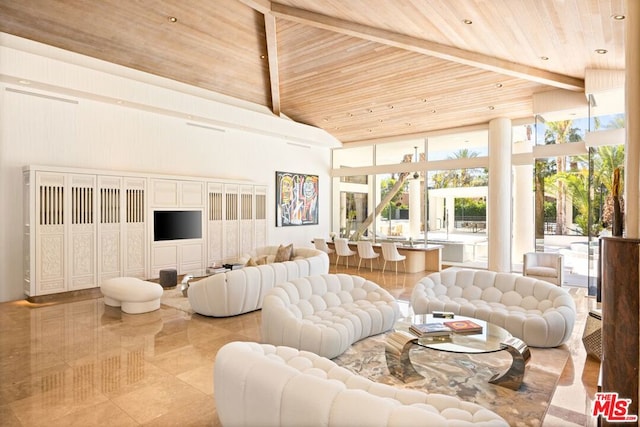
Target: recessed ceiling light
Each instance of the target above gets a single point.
(467, 21)
(618, 17)
(544, 58)
(391, 107)
(601, 51)
(433, 111)
(263, 56)
(491, 107)
(498, 85)
(172, 19)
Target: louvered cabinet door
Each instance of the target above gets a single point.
(48, 224)
(135, 224)
(109, 227)
(247, 223)
(215, 216)
(82, 232)
(260, 216)
(231, 224)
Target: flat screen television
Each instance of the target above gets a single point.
(175, 225)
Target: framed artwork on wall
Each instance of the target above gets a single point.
(296, 199)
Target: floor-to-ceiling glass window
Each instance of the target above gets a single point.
(351, 199)
(607, 159)
(572, 191)
(399, 211)
(414, 191)
(457, 193)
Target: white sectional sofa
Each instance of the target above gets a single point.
(538, 312)
(241, 291)
(264, 385)
(326, 314)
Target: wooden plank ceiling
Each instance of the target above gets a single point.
(360, 69)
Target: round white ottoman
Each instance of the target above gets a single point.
(131, 294)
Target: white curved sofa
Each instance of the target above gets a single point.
(326, 314)
(538, 312)
(263, 385)
(241, 291)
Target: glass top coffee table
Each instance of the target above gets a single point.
(493, 338)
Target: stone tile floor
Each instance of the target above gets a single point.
(75, 362)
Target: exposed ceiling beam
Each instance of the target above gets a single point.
(272, 52)
(426, 47)
(262, 6)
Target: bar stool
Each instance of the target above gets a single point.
(321, 245)
(342, 249)
(365, 251)
(390, 253)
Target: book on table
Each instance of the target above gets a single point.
(434, 329)
(464, 326)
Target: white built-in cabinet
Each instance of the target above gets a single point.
(122, 227)
(236, 219)
(83, 227)
(188, 255)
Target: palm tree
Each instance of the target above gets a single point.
(561, 132)
(608, 159)
(460, 177)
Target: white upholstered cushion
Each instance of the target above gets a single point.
(264, 385)
(538, 312)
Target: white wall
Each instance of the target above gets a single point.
(39, 126)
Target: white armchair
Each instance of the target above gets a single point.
(544, 266)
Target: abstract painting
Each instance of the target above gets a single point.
(296, 199)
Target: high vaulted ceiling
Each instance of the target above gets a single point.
(360, 69)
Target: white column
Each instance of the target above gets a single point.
(414, 208)
(499, 200)
(523, 206)
(632, 107)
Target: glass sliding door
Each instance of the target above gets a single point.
(573, 203)
(457, 215)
